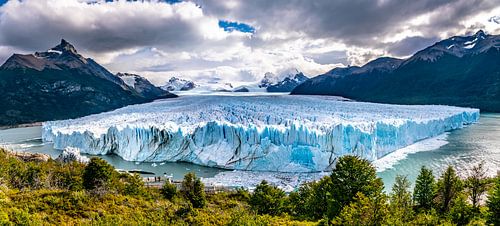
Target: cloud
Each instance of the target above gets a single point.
(410, 45)
(494, 19)
(355, 22)
(237, 40)
(108, 26)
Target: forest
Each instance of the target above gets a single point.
(50, 192)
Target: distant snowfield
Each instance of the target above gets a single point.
(280, 133)
(204, 92)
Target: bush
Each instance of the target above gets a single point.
(493, 203)
(169, 190)
(364, 211)
(134, 185)
(461, 213)
(309, 201)
(68, 176)
(267, 199)
(97, 174)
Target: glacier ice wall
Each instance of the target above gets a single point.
(262, 133)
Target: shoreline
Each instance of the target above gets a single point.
(24, 125)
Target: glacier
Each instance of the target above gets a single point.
(261, 133)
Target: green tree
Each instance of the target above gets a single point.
(477, 184)
(352, 175)
(297, 200)
(134, 185)
(169, 190)
(267, 199)
(98, 173)
(364, 211)
(193, 190)
(309, 201)
(493, 203)
(401, 205)
(461, 212)
(427, 218)
(424, 191)
(449, 186)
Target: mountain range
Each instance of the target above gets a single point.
(460, 71)
(285, 81)
(178, 84)
(60, 83)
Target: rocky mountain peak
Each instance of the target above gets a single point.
(178, 84)
(480, 33)
(65, 47)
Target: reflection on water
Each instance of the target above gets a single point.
(465, 148)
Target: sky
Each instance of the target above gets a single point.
(238, 40)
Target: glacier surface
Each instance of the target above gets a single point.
(261, 133)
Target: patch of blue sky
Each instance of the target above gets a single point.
(97, 1)
(235, 26)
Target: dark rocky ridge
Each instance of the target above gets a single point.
(60, 84)
(460, 71)
(144, 87)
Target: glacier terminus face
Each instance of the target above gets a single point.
(261, 133)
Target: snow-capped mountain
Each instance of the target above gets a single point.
(178, 84)
(142, 85)
(460, 70)
(282, 82)
(59, 84)
(459, 46)
(271, 78)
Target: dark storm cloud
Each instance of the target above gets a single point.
(411, 45)
(102, 27)
(354, 22)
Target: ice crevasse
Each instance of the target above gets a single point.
(262, 133)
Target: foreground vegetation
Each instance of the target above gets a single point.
(49, 192)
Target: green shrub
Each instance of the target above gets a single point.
(493, 203)
(169, 190)
(134, 185)
(267, 199)
(97, 174)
